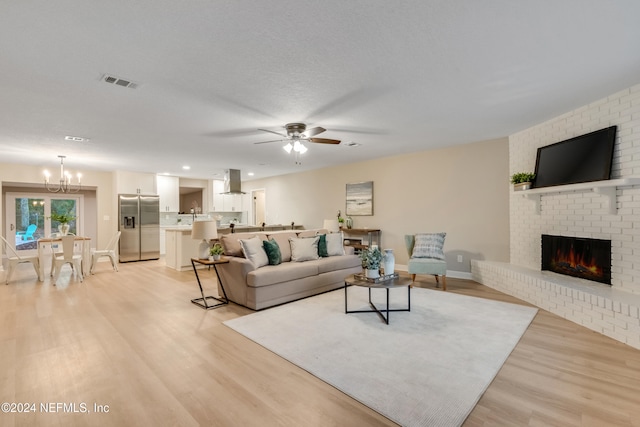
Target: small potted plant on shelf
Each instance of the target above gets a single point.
(522, 180)
(63, 221)
(340, 220)
(216, 251)
(371, 258)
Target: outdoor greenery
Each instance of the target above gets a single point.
(519, 177)
(35, 210)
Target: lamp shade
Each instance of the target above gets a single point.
(331, 225)
(205, 231)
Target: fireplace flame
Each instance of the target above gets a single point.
(585, 258)
(575, 261)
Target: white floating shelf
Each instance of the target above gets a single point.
(605, 188)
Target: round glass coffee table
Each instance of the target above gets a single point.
(400, 282)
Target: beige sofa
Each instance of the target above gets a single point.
(270, 285)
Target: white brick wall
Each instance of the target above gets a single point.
(613, 311)
(583, 213)
(603, 309)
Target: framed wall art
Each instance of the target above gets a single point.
(360, 198)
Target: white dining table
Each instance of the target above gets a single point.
(50, 241)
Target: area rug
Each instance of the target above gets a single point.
(428, 367)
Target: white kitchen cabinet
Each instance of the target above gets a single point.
(233, 202)
(218, 197)
(135, 183)
(169, 191)
(228, 202)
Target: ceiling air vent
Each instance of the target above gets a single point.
(120, 82)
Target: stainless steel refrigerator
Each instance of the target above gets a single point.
(140, 226)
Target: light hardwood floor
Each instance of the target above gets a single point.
(133, 341)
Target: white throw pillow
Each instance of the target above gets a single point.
(334, 244)
(254, 252)
(429, 245)
(304, 249)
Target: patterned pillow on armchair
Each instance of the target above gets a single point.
(429, 245)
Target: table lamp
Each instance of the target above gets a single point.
(331, 225)
(205, 231)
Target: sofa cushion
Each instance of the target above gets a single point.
(254, 251)
(305, 249)
(285, 272)
(273, 251)
(282, 238)
(322, 246)
(335, 245)
(334, 263)
(311, 233)
(429, 245)
(231, 242)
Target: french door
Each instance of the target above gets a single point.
(29, 217)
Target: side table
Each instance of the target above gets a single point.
(202, 302)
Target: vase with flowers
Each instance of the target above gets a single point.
(63, 221)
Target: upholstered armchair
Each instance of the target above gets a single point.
(426, 256)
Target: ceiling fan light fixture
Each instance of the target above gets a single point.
(302, 149)
(288, 147)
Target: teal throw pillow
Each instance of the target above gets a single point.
(273, 251)
(322, 246)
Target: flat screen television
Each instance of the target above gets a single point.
(584, 158)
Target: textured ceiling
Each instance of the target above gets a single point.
(394, 76)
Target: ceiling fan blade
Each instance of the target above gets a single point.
(313, 131)
(284, 135)
(324, 140)
(266, 142)
(363, 131)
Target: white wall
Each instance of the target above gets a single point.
(102, 220)
(461, 190)
(582, 213)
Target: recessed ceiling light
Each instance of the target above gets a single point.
(250, 174)
(76, 138)
(186, 168)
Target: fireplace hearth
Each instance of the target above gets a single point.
(578, 257)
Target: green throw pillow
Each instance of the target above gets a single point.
(322, 246)
(273, 251)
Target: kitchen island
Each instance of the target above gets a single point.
(180, 247)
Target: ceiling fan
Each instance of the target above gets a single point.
(298, 133)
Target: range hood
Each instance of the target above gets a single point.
(232, 182)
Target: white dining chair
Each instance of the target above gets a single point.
(15, 259)
(68, 257)
(108, 251)
(56, 249)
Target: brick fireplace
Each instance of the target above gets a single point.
(611, 214)
(585, 258)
